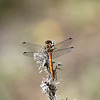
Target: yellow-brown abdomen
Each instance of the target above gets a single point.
(51, 65)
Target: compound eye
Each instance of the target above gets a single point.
(48, 41)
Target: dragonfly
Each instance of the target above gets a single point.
(53, 50)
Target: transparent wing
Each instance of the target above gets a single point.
(63, 44)
(60, 52)
(31, 47)
(29, 54)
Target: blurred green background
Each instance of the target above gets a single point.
(35, 21)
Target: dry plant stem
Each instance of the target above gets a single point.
(49, 84)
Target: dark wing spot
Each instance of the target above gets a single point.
(24, 52)
(70, 38)
(23, 42)
(72, 47)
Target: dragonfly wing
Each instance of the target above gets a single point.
(63, 44)
(31, 47)
(29, 54)
(60, 52)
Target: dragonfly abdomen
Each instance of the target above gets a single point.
(51, 65)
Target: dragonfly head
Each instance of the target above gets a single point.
(48, 42)
(49, 45)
